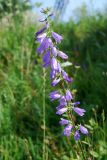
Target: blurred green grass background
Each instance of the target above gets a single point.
(21, 87)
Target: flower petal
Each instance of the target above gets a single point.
(42, 30)
(68, 95)
(83, 130)
(63, 121)
(79, 111)
(77, 135)
(62, 55)
(67, 130)
(57, 37)
(55, 82)
(54, 95)
(61, 111)
(54, 64)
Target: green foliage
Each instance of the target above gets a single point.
(85, 41)
(13, 6)
(21, 90)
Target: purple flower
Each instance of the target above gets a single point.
(41, 37)
(52, 74)
(55, 82)
(65, 77)
(54, 64)
(77, 136)
(46, 58)
(63, 101)
(51, 57)
(61, 111)
(83, 130)
(63, 121)
(42, 30)
(76, 103)
(54, 95)
(44, 45)
(55, 68)
(54, 51)
(58, 68)
(57, 37)
(67, 130)
(59, 107)
(42, 20)
(79, 111)
(62, 55)
(68, 96)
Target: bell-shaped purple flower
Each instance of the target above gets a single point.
(42, 20)
(59, 107)
(52, 74)
(54, 95)
(54, 64)
(83, 130)
(57, 37)
(46, 58)
(42, 30)
(67, 130)
(41, 37)
(79, 111)
(68, 95)
(63, 101)
(65, 77)
(55, 82)
(63, 121)
(76, 103)
(54, 51)
(77, 135)
(44, 45)
(62, 55)
(61, 111)
(59, 68)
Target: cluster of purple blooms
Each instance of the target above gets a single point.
(51, 58)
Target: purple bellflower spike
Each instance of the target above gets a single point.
(62, 55)
(68, 96)
(57, 37)
(61, 111)
(77, 136)
(54, 95)
(67, 130)
(83, 130)
(44, 45)
(54, 64)
(42, 30)
(63, 121)
(65, 77)
(52, 57)
(79, 111)
(46, 58)
(55, 82)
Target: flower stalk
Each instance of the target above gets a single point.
(52, 57)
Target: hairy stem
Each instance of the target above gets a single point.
(44, 115)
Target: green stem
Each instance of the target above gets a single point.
(44, 124)
(79, 142)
